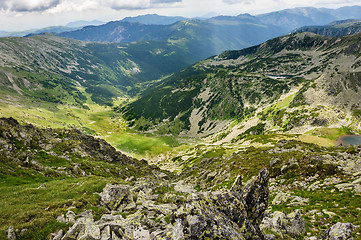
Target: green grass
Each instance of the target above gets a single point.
(143, 145)
(26, 207)
(99, 121)
(330, 133)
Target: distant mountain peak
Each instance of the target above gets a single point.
(82, 23)
(154, 19)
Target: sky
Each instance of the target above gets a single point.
(18, 15)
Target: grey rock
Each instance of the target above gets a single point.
(274, 161)
(58, 235)
(106, 233)
(141, 234)
(232, 214)
(270, 237)
(61, 219)
(237, 185)
(177, 231)
(222, 215)
(11, 233)
(23, 231)
(74, 231)
(116, 197)
(292, 224)
(339, 231)
(255, 195)
(70, 217)
(42, 186)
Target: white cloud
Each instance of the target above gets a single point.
(238, 1)
(57, 6)
(26, 5)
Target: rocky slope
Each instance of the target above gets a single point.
(335, 29)
(55, 170)
(133, 200)
(288, 84)
(60, 152)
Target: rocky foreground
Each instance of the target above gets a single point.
(138, 201)
(239, 213)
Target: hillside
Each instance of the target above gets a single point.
(290, 84)
(335, 29)
(66, 71)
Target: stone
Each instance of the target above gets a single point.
(116, 197)
(11, 233)
(344, 187)
(255, 195)
(23, 231)
(70, 217)
(237, 185)
(61, 219)
(74, 231)
(164, 176)
(292, 224)
(296, 224)
(232, 214)
(274, 161)
(270, 237)
(58, 235)
(177, 230)
(339, 231)
(280, 198)
(106, 233)
(42, 186)
(141, 234)
(91, 231)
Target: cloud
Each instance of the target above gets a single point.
(27, 6)
(238, 1)
(165, 1)
(55, 6)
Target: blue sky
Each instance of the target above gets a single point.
(18, 15)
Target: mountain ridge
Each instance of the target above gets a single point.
(219, 88)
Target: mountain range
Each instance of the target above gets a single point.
(283, 85)
(334, 29)
(53, 29)
(214, 35)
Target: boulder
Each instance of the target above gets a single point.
(292, 224)
(116, 197)
(255, 195)
(11, 233)
(58, 235)
(339, 231)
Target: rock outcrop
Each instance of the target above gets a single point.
(233, 214)
(27, 145)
